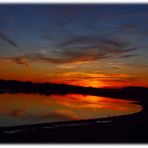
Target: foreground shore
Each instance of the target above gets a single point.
(124, 129)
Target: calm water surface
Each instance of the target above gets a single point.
(20, 109)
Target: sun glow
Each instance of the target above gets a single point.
(95, 84)
(86, 83)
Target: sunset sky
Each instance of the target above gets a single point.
(85, 45)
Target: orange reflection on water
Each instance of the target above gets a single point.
(93, 102)
(31, 108)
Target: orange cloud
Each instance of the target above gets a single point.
(87, 79)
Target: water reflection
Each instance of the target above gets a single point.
(18, 109)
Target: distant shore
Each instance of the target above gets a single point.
(131, 92)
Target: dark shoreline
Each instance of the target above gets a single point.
(103, 130)
(131, 92)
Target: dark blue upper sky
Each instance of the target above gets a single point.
(33, 26)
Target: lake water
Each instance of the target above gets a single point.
(20, 109)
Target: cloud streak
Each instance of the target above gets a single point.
(9, 41)
(78, 50)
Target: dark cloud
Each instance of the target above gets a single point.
(20, 60)
(85, 48)
(44, 58)
(9, 41)
(5, 38)
(26, 59)
(69, 57)
(80, 50)
(128, 56)
(78, 40)
(101, 44)
(17, 60)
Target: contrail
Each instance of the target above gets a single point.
(19, 59)
(9, 41)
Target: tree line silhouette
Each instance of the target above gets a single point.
(14, 86)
